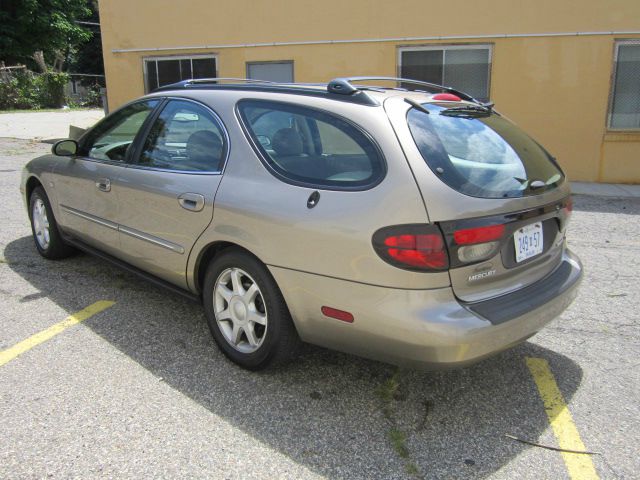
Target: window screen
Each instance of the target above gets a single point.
(271, 71)
(165, 71)
(466, 69)
(625, 102)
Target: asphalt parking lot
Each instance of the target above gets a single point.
(139, 390)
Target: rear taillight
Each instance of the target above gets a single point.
(412, 247)
(568, 207)
(479, 243)
(470, 236)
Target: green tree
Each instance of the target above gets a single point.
(28, 27)
(88, 57)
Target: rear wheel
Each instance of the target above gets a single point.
(246, 312)
(46, 236)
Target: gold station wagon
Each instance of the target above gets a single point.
(411, 224)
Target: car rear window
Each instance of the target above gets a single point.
(480, 153)
(312, 147)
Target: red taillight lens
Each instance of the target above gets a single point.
(420, 248)
(471, 236)
(569, 205)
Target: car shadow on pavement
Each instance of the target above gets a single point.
(336, 414)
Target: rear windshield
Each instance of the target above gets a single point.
(479, 153)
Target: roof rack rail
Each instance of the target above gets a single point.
(344, 86)
(213, 80)
(231, 83)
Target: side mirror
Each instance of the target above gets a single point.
(65, 148)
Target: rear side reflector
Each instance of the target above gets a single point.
(337, 314)
(447, 97)
(471, 236)
(412, 247)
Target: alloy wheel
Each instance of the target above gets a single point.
(240, 310)
(41, 224)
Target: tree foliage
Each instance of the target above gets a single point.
(29, 26)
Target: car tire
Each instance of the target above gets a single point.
(44, 228)
(246, 312)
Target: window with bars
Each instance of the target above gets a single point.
(624, 110)
(166, 70)
(464, 67)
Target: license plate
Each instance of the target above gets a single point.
(528, 241)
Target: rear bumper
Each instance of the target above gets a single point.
(424, 328)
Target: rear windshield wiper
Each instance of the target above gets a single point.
(468, 111)
(416, 105)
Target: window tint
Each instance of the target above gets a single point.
(111, 138)
(310, 146)
(481, 154)
(184, 137)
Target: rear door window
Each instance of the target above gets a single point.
(480, 153)
(312, 147)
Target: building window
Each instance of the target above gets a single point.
(464, 67)
(624, 111)
(271, 71)
(160, 71)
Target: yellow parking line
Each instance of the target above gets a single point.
(40, 337)
(580, 466)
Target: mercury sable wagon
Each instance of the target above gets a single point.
(412, 224)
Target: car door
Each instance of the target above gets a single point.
(166, 193)
(87, 185)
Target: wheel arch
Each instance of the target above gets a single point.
(206, 256)
(31, 184)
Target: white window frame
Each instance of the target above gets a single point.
(612, 86)
(146, 60)
(445, 47)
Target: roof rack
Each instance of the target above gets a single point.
(230, 83)
(344, 86)
(341, 88)
(211, 81)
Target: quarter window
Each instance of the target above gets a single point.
(312, 147)
(167, 70)
(625, 96)
(111, 138)
(184, 137)
(466, 68)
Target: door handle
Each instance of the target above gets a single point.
(191, 201)
(104, 184)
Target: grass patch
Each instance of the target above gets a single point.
(399, 442)
(387, 391)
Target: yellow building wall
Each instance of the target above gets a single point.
(556, 87)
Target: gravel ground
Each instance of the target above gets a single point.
(139, 390)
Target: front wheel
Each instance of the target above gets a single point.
(46, 236)
(246, 312)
